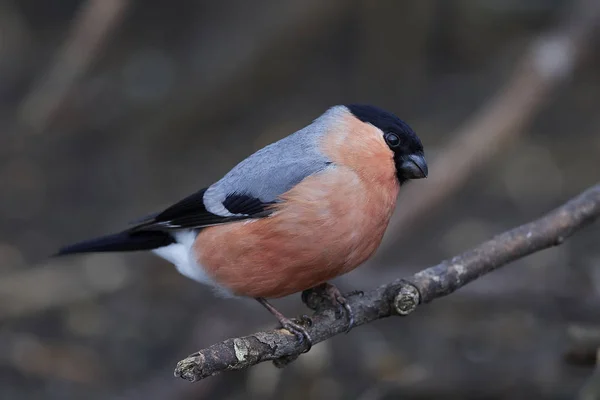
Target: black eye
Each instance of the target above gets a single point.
(392, 140)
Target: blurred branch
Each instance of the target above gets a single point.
(38, 357)
(59, 284)
(591, 389)
(89, 31)
(400, 297)
(549, 62)
(206, 90)
(584, 343)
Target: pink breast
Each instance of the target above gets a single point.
(327, 225)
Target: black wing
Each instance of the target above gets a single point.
(192, 213)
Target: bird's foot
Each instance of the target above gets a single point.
(355, 293)
(332, 294)
(296, 328)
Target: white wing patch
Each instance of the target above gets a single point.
(213, 201)
(181, 254)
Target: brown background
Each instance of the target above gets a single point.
(176, 93)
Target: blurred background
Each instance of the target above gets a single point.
(113, 109)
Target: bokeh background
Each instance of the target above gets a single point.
(112, 109)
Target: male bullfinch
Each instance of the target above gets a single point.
(290, 217)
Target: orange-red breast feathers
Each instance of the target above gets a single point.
(325, 226)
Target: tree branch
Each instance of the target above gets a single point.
(89, 32)
(400, 297)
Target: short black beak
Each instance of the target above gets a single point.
(414, 166)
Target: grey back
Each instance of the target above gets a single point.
(276, 168)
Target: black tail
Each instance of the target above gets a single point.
(123, 241)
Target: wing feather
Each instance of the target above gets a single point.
(250, 187)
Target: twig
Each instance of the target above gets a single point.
(549, 62)
(584, 342)
(89, 31)
(42, 358)
(400, 297)
(591, 388)
(60, 283)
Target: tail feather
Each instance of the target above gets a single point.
(123, 241)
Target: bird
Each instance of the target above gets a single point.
(295, 214)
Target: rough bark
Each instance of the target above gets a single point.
(400, 297)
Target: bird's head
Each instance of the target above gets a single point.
(399, 137)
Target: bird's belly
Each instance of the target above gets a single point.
(313, 237)
(181, 255)
(249, 262)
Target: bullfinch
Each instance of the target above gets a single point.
(290, 217)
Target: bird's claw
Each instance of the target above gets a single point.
(298, 330)
(295, 328)
(334, 296)
(344, 308)
(355, 293)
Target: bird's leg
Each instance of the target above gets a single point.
(286, 323)
(334, 296)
